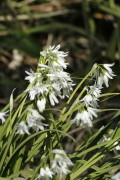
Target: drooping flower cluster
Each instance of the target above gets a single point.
(59, 166)
(50, 81)
(101, 74)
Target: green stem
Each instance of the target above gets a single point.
(57, 134)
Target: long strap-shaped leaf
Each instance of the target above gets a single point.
(24, 143)
(2, 161)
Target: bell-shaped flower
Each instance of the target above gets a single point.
(45, 174)
(61, 162)
(107, 67)
(85, 117)
(22, 128)
(53, 99)
(34, 120)
(104, 79)
(95, 90)
(38, 90)
(102, 74)
(32, 76)
(41, 104)
(88, 99)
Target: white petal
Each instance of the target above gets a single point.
(22, 128)
(41, 104)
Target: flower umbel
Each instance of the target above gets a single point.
(50, 80)
(101, 74)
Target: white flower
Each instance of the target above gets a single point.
(45, 174)
(36, 125)
(63, 81)
(37, 90)
(60, 77)
(116, 176)
(35, 114)
(2, 116)
(102, 75)
(92, 112)
(31, 76)
(95, 91)
(59, 165)
(53, 52)
(41, 104)
(103, 79)
(77, 119)
(66, 90)
(117, 147)
(56, 88)
(104, 139)
(22, 128)
(95, 73)
(92, 96)
(107, 67)
(88, 99)
(61, 162)
(108, 138)
(59, 64)
(43, 67)
(33, 91)
(85, 117)
(53, 99)
(34, 120)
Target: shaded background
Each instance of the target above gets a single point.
(88, 29)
